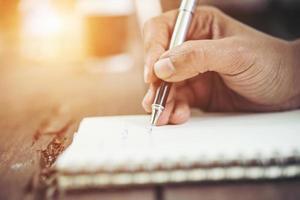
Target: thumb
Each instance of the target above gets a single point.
(224, 56)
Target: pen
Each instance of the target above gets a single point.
(181, 28)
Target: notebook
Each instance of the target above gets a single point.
(121, 151)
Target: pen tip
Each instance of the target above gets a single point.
(155, 116)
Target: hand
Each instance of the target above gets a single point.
(223, 66)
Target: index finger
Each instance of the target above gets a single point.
(157, 34)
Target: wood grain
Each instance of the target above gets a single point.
(38, 102)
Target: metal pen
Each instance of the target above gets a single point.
(181, 29)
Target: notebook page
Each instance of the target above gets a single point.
(110, 143)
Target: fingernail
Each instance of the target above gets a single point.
(146, 74)
(164, 68)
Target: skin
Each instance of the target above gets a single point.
(224, 66)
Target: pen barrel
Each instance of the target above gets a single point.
(183, 22)
(179, 35)
(162, 94)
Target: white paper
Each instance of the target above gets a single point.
(125, 142)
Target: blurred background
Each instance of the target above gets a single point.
(85, 57)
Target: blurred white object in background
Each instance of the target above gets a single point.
(40, 18)
(146, 9)
(41, 26)
(48, 34)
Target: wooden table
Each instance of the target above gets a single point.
(39, 104)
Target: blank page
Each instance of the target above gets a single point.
(124, 142)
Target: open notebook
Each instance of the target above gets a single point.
(120, 150)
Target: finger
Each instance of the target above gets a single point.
(156, 39)
(147, 101)
(226, 56)
(151, 57)
(198, 90)
(181, 112)
(208, 23)
(150, 96)
(186, 93)
(211, 23)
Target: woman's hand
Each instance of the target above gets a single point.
(224, 66)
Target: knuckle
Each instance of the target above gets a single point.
(147, 46)
(213, 19)
(210, 10)
(151, 47)
(153, 51)
(149, 24)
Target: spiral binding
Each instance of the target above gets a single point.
(273, 168)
